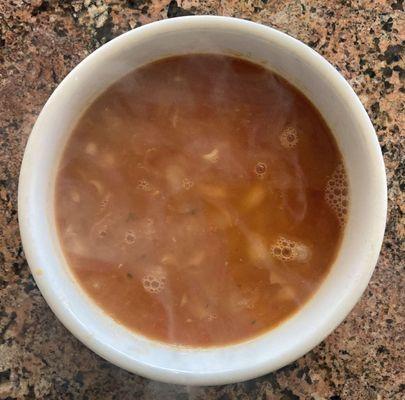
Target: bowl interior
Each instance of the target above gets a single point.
(362, 240)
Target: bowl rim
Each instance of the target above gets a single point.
(230, 375)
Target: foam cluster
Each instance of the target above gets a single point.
(290, 250)
(336, 193)
(212, 317)
(246, 303)
(154, 282)
(187, 183)
(289, 137)
(144, 185)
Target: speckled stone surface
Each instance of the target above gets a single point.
(41, 41)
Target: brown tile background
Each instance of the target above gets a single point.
(41, 41)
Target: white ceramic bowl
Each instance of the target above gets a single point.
(349, 276)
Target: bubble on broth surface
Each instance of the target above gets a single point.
(337, 195)
(155, 281)
(290, 250)
(130, 237)
(289, 137)
(187, 183)
(261, 169)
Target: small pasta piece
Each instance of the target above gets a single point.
(212, 156)
(197, 258)
(199, 310)
(75, 196)
(222, 218)
(168, 259)
(97, 185)
(90, 149)
(184, 300)
(254, 197)
(109, 159)
(257, 249)
(144, 185)
(174, 177)
(212, 191)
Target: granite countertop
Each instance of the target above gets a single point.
(41, 41)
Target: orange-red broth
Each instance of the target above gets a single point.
(200, 200)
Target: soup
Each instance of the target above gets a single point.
(201, 200)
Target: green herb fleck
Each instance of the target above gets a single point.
(130, 217)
